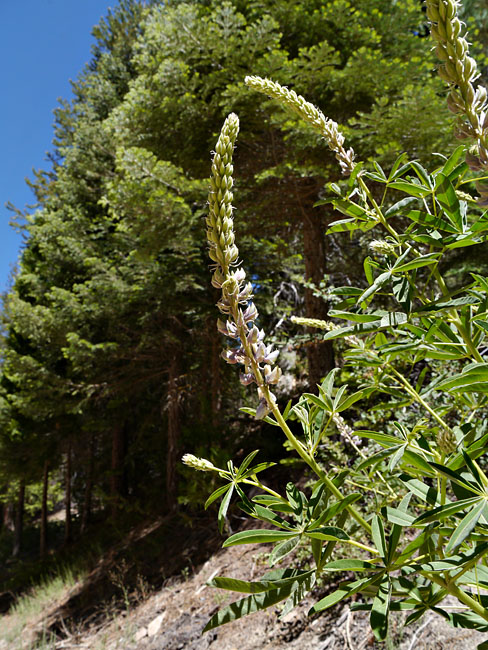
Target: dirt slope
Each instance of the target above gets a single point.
(173, 619)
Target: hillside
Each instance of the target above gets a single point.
(114, 607)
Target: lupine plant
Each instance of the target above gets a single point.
(429, 539)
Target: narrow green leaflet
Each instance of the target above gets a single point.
(454, 476)
(350, 225)
(298, 593)
(333, 510)
(328, 533)
(349, 565)
(379, 610)
(265, 514)
(380, 281)
(215, 495)
(414, 189)
(448, 200)
(282, 549)
(453, 160)
(472, 379)
(247, 606)
(428, 220)
(398, 517)
(423, 260)
(260, 536)
(378, 535)
(441, 512)
(224, 506)
(274, 591)
(246, 462)
(341, 593)
(464, 528)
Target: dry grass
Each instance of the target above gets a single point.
(32, 609)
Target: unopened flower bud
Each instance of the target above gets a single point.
(381, 247)
(198, 463)
(446, 441)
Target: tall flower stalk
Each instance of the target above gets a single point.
(460, 72)
(249, 349)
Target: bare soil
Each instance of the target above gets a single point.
(173, 615)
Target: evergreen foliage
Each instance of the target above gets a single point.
(110, 358)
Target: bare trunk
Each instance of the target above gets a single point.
(320, 356)
(43, 530)
(174, 430)
(117, 468)
(68, 532)
(8, 516)
(87, 501)
(19, 520)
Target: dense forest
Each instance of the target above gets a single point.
(111, 363)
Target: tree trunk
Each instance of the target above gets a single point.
(8, 516)
(174, 430)
(320, 356)
(19, 520)
(43, 530)
(87, 501)
(68, 532)
(117, 468)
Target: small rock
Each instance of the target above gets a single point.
(140, 634)
(289, 618)
(155, 625)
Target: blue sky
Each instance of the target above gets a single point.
(43, 44)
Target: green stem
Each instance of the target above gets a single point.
(263, 487)
(411, 391)
(457, 321)
(458, 593)
(377, 209)
(313, 465)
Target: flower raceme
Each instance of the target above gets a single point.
(460, 72)
(236, 301)
(309, 113)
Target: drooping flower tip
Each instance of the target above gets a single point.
(200, 464)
